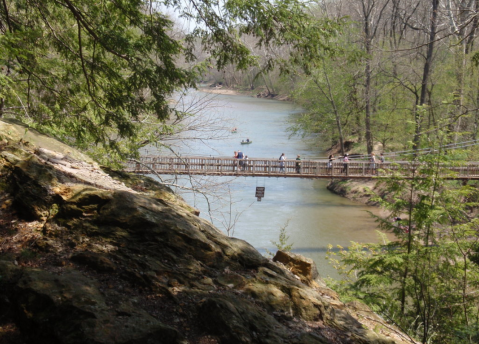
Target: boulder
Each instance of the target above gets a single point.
(299, 265)
(305, 269)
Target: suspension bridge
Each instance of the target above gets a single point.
(217, 166)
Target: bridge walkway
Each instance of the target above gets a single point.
(216, 166)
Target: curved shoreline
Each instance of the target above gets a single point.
(354, 190)
(224, 91)
(233, 92)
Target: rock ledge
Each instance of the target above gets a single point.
(121, 259)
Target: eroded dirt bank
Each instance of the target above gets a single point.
(359, 190)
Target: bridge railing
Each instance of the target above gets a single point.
(265, 167)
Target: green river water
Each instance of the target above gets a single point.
(315, 216)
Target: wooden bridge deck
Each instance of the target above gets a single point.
(271, 168)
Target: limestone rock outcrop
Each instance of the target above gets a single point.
(121, 259)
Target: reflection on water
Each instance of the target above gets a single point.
(316, 216)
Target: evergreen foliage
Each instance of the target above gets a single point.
(282, 244)
(89, 71)
(85, 70)
(425, 280)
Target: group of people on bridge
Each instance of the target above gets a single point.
(373, 161)
(282, 158)
(243, 162)
(243, 159)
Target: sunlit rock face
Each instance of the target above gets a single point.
(93, 256)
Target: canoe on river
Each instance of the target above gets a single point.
(246, 142)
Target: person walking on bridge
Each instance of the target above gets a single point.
(298, 164)
(245, 163)
(372, 165)
(282, 158)
(330, 160)
(240, 157)
(235, 162)
(345, 163)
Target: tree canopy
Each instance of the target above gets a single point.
(88, 70)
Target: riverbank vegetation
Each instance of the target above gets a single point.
(426, 279)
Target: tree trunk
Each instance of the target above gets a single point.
(336, 112)
(367, 87)
(426, 73)
(476, 114)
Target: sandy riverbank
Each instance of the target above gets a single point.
(230, 92)
(221, 90)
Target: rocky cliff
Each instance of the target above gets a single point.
(94, 256)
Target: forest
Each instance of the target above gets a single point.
(396, 71)
(370, 74)
(388, 72)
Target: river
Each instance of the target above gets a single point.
(314, 216)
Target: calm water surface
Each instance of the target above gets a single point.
(315, 216)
